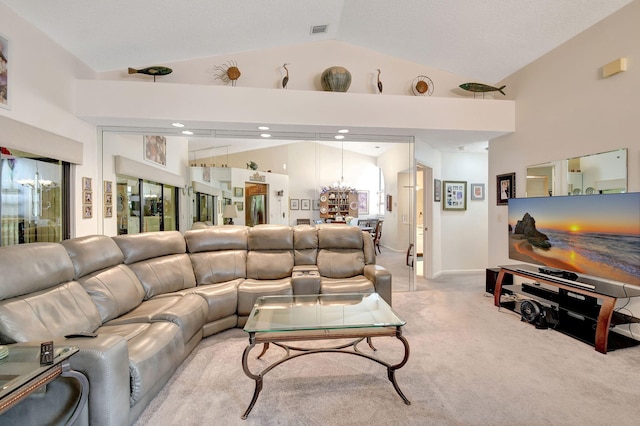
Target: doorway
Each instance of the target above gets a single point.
(256, 202)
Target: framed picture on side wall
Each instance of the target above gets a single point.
(305, 204)
(505, 188)
(477, 191)
(363, 202)
(437, 190)
(155, 149)
(5, 89)
(294, 204)
(455, 195)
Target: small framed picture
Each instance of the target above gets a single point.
(389, 203)
(363, 202)
(437, 190)
(505, 188)
(477, 191)
(87, 197)
(87, 211)
(206, 174)
(455, 195)
(86, 183)
(239, 205)
(5, 62)
(108, 198)
(108, 187)
(108, 211)
(155, 149)
(294, 204)
(316, 204)
(305, 204)
(238, 192)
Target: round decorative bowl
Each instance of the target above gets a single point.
(335, 79)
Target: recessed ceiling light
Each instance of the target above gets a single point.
(343, 131)
(187, 132)
(377, 147)
(265, 135)
(176, 124)
(263, 127)
(339, 137)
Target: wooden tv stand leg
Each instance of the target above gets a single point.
(497, 291)
(604, 322)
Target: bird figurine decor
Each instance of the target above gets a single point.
(481, 88)
(228, 72)
(154, 71)
(379, 82)
(285, 80)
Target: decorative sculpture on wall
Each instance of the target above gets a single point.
(335, 79)
(252, 165)
(228, 72)
(285, 80)
(422, 85)
(379, 82)
(481, 88)
(154, 71)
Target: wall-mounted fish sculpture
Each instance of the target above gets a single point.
(154, 71)
(482, 88)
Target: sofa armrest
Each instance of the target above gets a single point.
(381, 279)
(105, 361)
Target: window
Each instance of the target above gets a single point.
(34, 195)
(145, 206)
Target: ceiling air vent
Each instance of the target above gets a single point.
(319, 29)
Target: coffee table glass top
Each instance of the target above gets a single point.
(321, 312)
(23, 364)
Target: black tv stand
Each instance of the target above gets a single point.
(577, 301)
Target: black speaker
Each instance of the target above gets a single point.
(492, 277)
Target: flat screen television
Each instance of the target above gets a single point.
(597, 235)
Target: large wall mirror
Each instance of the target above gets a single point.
(601, 173)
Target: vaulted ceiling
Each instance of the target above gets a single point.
(487, 40)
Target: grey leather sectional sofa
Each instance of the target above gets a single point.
(150, 298)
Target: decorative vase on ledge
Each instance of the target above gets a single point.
(335, 79)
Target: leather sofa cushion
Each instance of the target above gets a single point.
(219, 266)
(340, 263)
(165, 274)
(47, 314)
(357, 284)
(92, 253)
(249, 290)
(270, 237)
(115, 291)
(222, 299)
(137, 247)
(339, 237)
(269, 265)
(226, 237)
(27, 268)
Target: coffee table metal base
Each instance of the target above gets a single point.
(349, 348)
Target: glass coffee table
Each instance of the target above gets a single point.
(355, 317)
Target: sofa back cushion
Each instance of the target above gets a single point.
(26, 268)
(217, 238)
(164, 274)
(92, 253)
(148, 245)
(115, 291)
(305, 245)
(270, 255)
(47, 314)
(340, 253)
(216, 267)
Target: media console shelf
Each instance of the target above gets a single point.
(589, 287)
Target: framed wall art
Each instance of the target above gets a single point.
(5, 89)
(305, 204)
(505, 188)
(155, 149)
(316, 204)
(477, 191)
(455, 195)
(437, 190)
(363, 202)
(86, 183)
(389, 203)
(239, 205)
(294, 204)
(238, 191)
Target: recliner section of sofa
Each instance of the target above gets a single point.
(150, 298)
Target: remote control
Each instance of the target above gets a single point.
(46, 353)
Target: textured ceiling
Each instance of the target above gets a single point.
(487, 40)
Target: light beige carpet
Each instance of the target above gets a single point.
(470, 364)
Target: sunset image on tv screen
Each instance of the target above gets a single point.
(595, 235)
